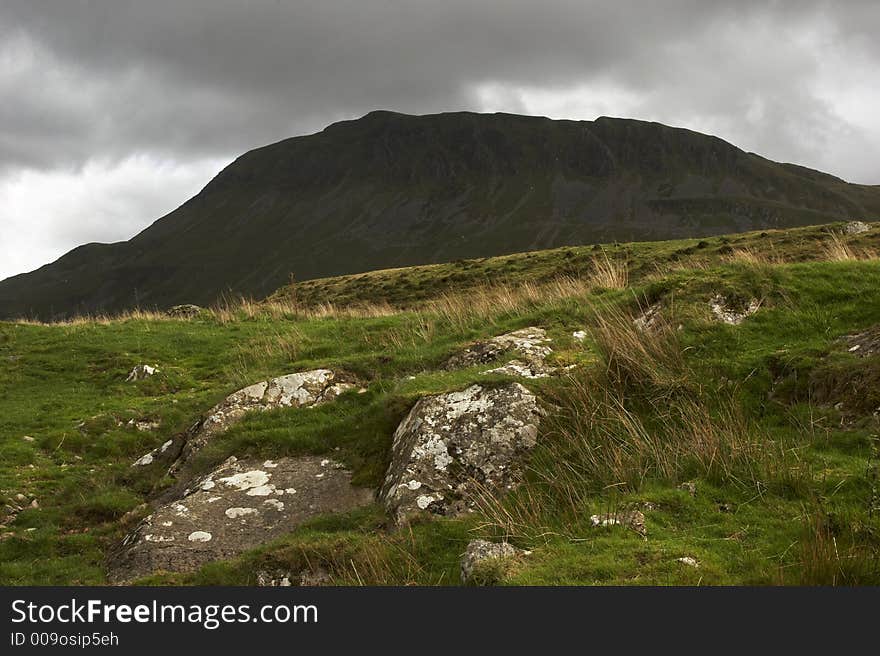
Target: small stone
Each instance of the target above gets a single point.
(724, 313)
(690, 488)
(186, 311)
(579, 335)
(199, 536)
(28, 438)
(479, 554)
(690, 562)
(142, 371)
(35, 504)
(633, 519)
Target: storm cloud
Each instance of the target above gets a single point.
(115, 111)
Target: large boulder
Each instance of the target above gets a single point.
(306, 388)
(238, 506)
(453, 445)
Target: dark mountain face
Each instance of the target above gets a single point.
(394, 190)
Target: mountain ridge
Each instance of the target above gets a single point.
(391, 189)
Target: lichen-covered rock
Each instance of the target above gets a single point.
(453, 445)
(141, 372)
(864, 344)
(306, 388)
(523, 369)
(154, 455)
(238, 506)
(856, 227)
(187, 311)
(723, 311)
(483, 561)
(633, 519)
(530, 344)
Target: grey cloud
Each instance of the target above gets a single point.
(214, 77)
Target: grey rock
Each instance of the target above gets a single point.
(530, 344)
(141, 372)
(633, 519)
(187, 311)
(690, 488)
(856, 227)
(238, 506)
(306, 388)
(455, 445)
(730, 315)
(480, 552)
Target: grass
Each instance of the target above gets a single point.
(749, 415)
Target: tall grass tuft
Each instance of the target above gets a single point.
(640, 415)
(609, 274)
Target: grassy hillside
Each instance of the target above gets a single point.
(395, 190)
(749, 448)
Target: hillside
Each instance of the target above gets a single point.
(698, 412)
(391, 190)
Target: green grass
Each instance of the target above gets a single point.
(807, 512)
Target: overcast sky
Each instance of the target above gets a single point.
(114, 112)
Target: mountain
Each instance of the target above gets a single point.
(391, 190)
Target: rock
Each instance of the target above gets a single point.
(35, 504)
(522, 369)
(315, 577)
(579, 335)
(690, 488)
(273, 579)
(687, 560)
(187, 311)
(154, 455)
(633, 519)
(143, 425)
(864, 344)
(240, 505)
(530, 344)
(28, 438)
(649, 319)
(451, 446)
(856, 227)
(723, 312)
(142, 371)
(485, 562)
(306, 388)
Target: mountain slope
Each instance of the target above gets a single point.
(394, 190)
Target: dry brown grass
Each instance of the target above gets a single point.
(640, 415)
(608, 273)
(748, 255)
(482, 303)
(838, 249)
(829, 559)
